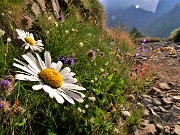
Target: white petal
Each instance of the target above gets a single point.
(70, 80)
(59, 98)
(53, 65)
(24, 68)
(32, 57)
(40, 62)
(26, 47)
(38, 43)
(65, 70)
(58, 66)
(82, 95)
(74, 96)
(24, 64)
(47, 58)
(37, 87)
(31, 63)
(68, 75)
(26, 77)
(68, 98)
(52, 92)
(72, 86)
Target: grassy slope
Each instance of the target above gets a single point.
(107, 78)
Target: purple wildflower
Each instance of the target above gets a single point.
(143, 40)
(62, 59)
(61, 17)
(137, 54)
(4, 83)
(69, 61)
(1, 105)
(143, 50)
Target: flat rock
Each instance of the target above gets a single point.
(177, 130)
(158, 119)
(125, 114)
(146, 101)
(167, 116)
(157, 90)
(153, 112)
(162, 109)
(159, 127)
(164, 86)
(156, 102)
(176, 98)
(151, 128)
(167, 101)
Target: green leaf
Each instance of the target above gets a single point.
(110, 77)
(22, 123)
(51, 133)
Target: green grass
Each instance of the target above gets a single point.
(106, 78)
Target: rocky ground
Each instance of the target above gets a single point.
(162, 103)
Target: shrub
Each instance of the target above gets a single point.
(175, 35)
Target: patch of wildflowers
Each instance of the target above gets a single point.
(68, 60)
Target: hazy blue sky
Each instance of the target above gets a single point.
(149, 5)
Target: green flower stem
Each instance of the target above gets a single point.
(18, 119)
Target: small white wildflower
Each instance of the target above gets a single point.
(66, 31)
(83, 111)
(86, 106)
(2, 32)
(74, 30)
(95, 78)
(92, 81)
(92, 98)
(107, 63)
(116, 131)
(47, 32)
(29, 42)
(49, 18)
(56, 24)
(89, 34)
(2, 14)
(102, 70)
(91, 120)
(9, 12)
(80, 110)
(8, 40)
(81, 44)
(112, 43)
(94, 89)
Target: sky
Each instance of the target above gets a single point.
(149, 5)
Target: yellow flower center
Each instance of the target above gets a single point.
(51, 77)
(30, 40)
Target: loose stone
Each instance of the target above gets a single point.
(164, 86)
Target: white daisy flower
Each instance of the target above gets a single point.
(59, 84)
(28, 38)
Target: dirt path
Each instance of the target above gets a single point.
(162, 103)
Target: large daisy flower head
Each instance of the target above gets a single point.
(59, 84)
(29, 41)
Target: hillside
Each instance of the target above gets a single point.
(163, 26)
(131, 16)
(164, 6)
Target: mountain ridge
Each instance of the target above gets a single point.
(146, 21)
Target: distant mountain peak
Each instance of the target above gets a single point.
(164, 6)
